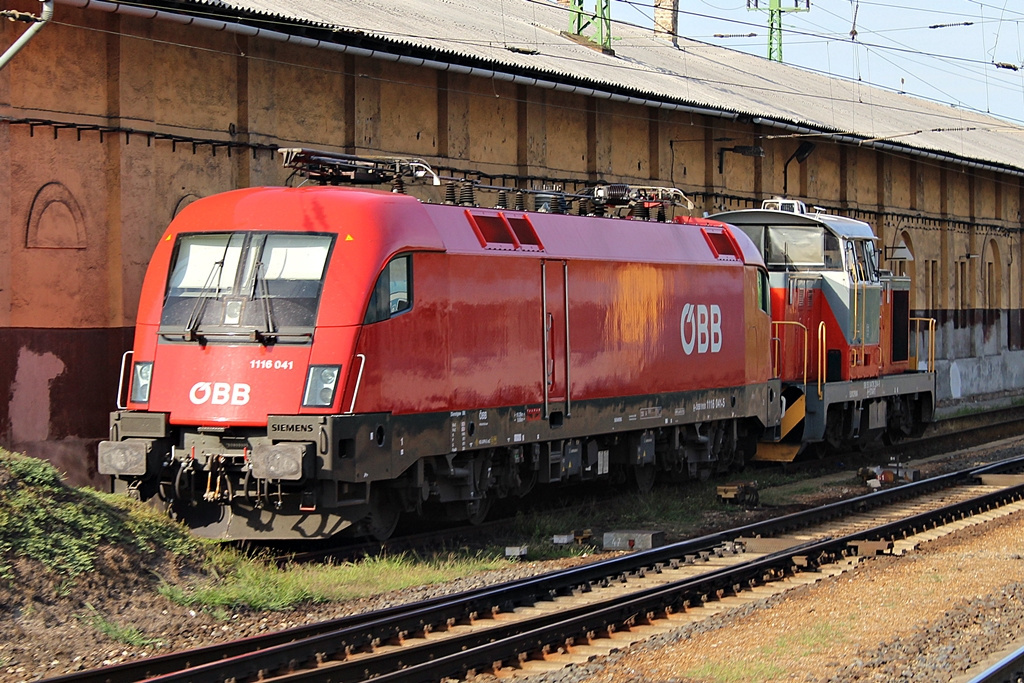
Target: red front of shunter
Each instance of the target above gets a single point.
(582, 307)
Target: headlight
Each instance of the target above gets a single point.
(142, 373)
(321, 385)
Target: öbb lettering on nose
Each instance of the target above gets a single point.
(219, 393)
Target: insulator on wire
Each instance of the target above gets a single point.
(661, 213)
(449, 193)
(584, 207)
(502, 200)
(398, 185)
(466, 195)
(520, 201)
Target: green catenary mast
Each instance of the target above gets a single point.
(602, 18)
(775, 10)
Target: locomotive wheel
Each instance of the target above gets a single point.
(477, 513)
(643, 477)
(382, 520)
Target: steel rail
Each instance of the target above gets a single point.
(1009, 669)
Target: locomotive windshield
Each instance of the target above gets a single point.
(801, 248)
(257, 285)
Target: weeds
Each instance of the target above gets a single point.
(128, 635)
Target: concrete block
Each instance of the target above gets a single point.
(516, 552)
(633, 540)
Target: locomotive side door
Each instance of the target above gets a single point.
(555, 321)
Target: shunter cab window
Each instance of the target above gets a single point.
(801, 248)
(763, 292)
(860, 255)
(392, 294)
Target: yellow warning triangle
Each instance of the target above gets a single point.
(348, 238)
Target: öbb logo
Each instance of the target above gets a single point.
(219, 393)
(701, 328)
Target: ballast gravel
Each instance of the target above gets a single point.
(928, 616)
(940, 613)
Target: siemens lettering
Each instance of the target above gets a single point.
(700, 328)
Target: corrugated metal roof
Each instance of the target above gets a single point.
(525, 36)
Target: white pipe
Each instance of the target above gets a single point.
(27, 35)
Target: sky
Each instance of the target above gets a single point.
(941, 50)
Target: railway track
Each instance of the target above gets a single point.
(571, 613)
(970, 431)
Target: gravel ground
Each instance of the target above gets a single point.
(888, 618)
(927, 616)
(48, 629)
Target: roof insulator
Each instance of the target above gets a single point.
(640, 211)
(520, 201)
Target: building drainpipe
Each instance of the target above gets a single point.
(27, 35)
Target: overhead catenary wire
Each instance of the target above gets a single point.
(585, 89)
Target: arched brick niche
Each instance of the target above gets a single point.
(56, 220)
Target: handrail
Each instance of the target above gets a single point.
(568, 351)
(776, 355)
(800, 325)
(123, 405)
(931, 342)
(822, 358)
(359, 379)
(864, 323)
(545, 342)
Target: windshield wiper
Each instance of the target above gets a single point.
(260, 280)
(192, 325)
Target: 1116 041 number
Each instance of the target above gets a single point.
(271, 364)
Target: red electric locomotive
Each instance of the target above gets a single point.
(315, 359)
(854, 364)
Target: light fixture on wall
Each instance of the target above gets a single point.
(898, 252)
(801, 154)
(742, 150)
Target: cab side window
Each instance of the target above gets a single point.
(392, 295)
(763, 292)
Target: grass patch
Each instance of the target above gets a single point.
(64, 528)
(259, 585)
(809, 641)
(768, 662)
(736, 672)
